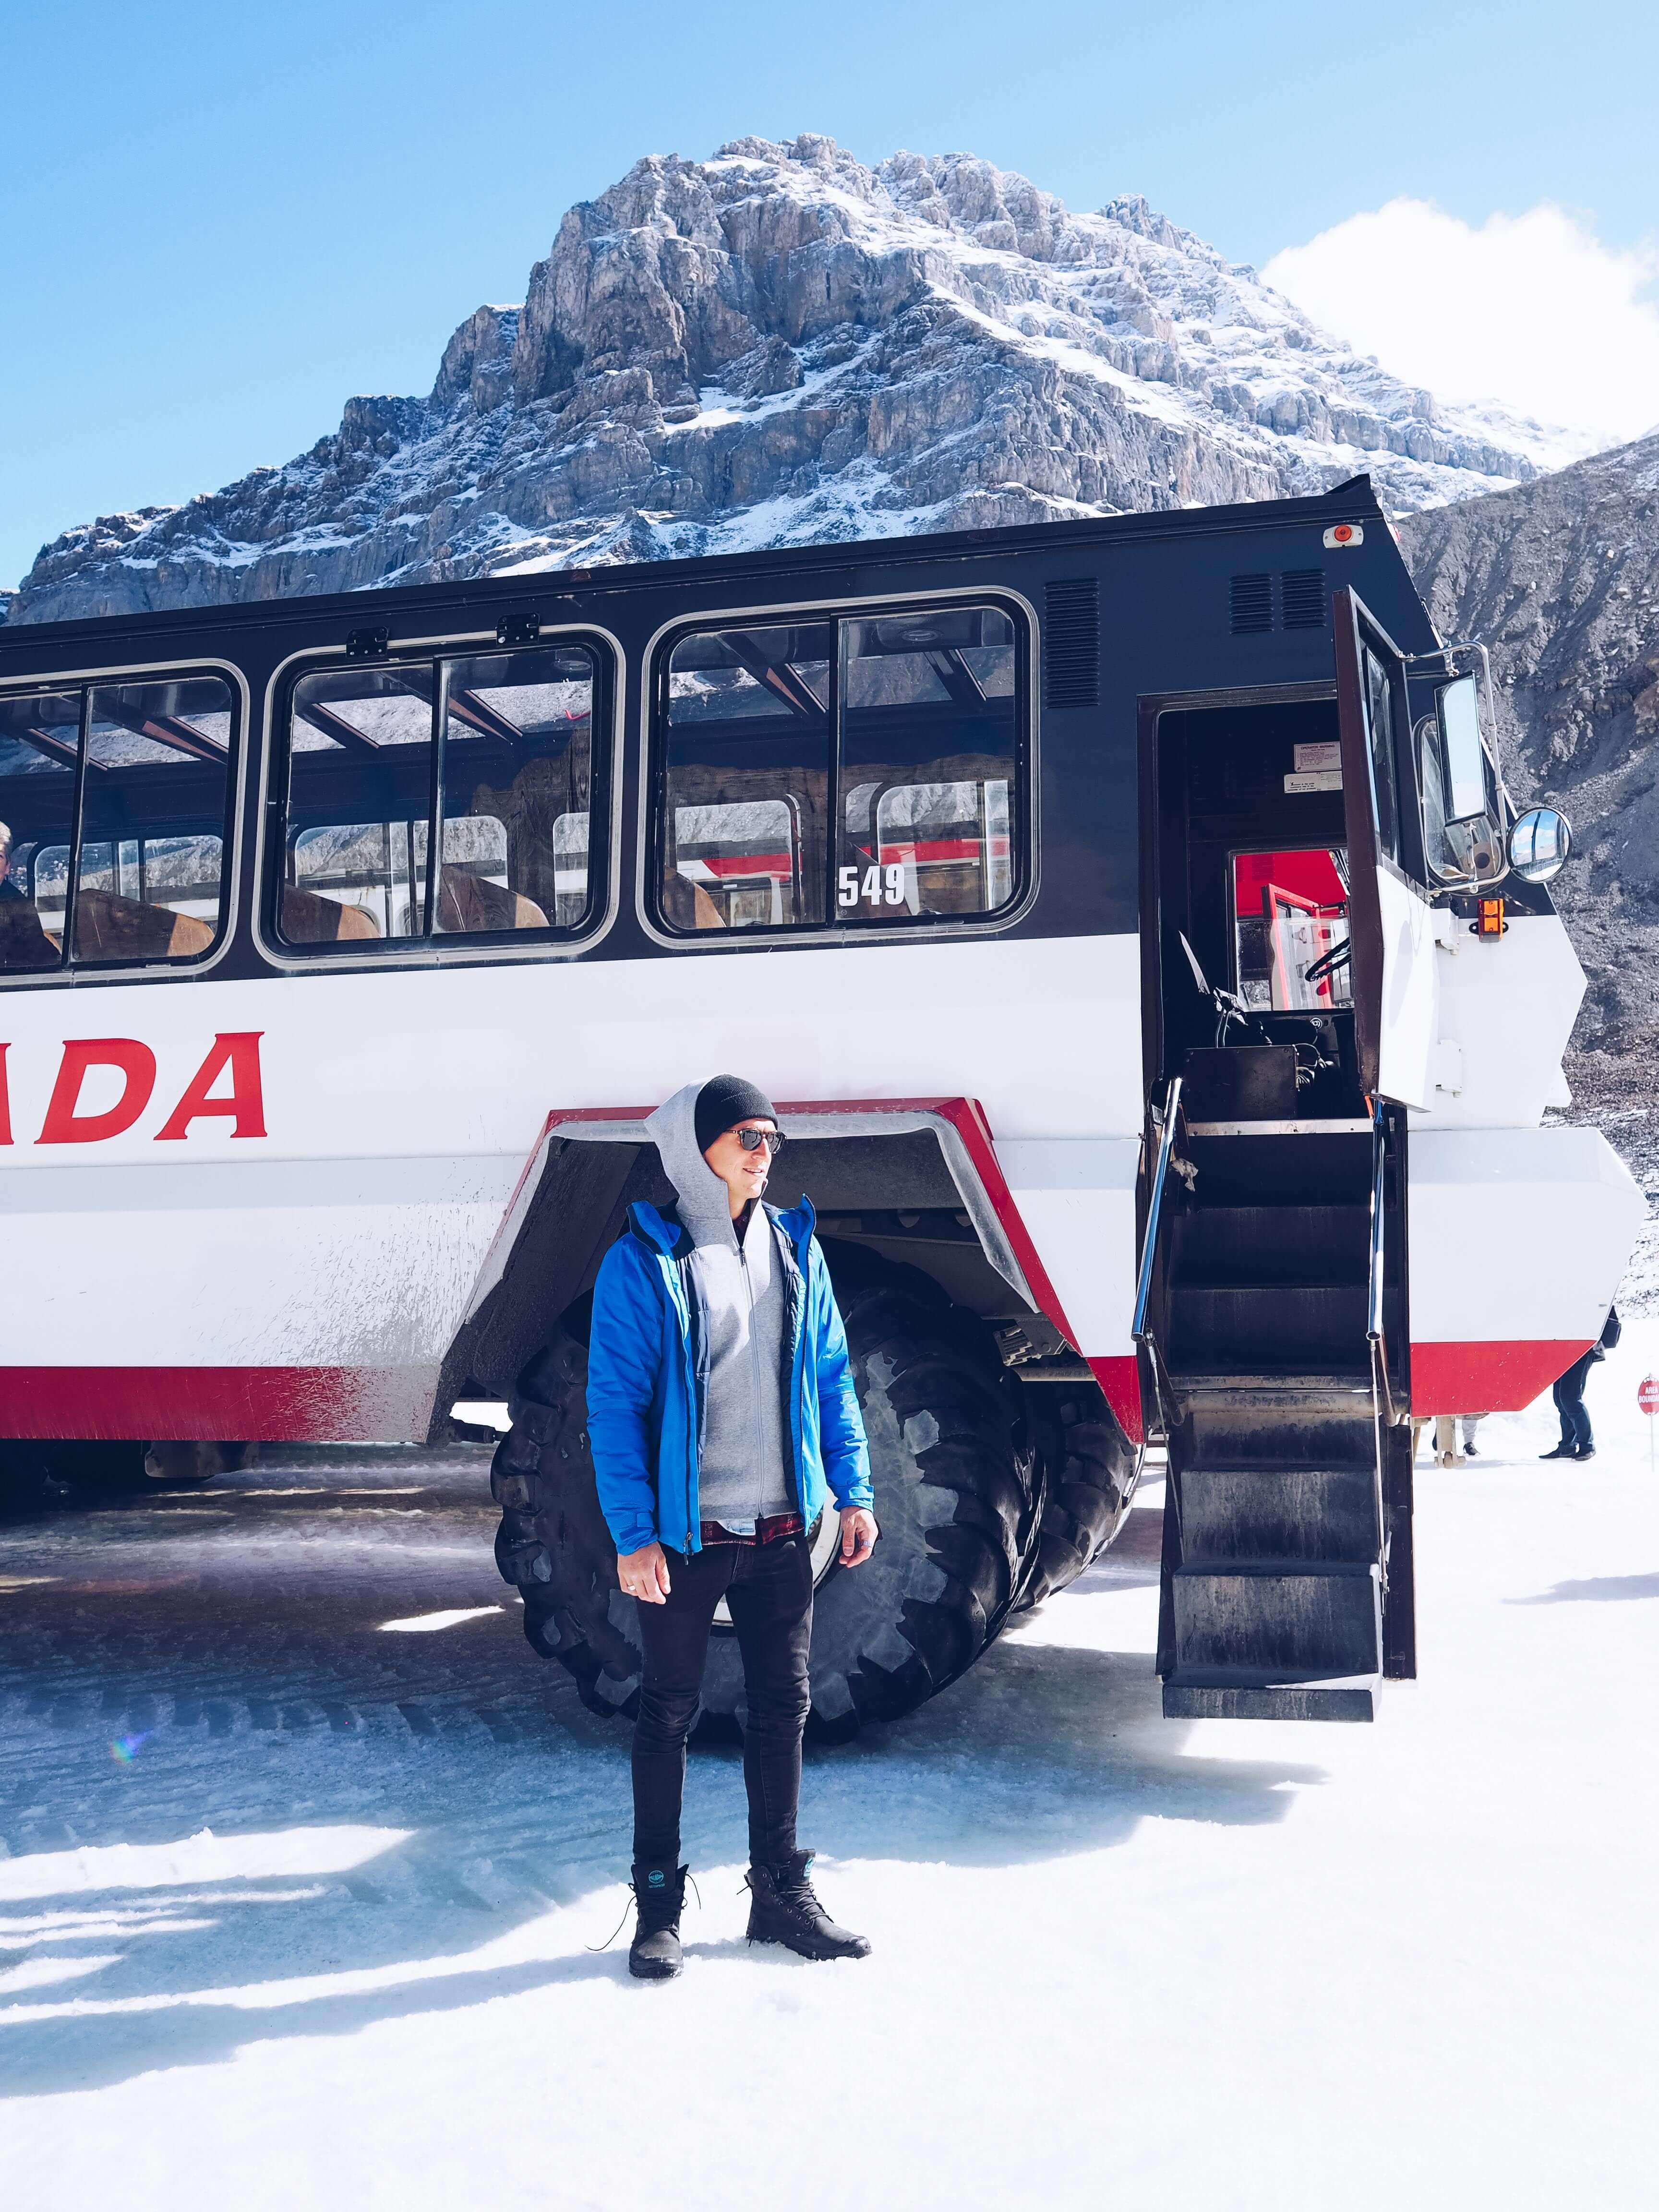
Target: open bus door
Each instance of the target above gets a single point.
(1391, 923)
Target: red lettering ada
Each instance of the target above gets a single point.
(243, 1103)
(235, 1050)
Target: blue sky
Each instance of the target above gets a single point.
(219, 220)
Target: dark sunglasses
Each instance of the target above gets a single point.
(752, 1139)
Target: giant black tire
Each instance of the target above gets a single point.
(552, 1543)
(959, 1496)
(1091, 1473)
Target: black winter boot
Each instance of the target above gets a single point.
(659, 1893)
(784, 1909)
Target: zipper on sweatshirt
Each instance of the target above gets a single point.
(756, 1402)
(793, 1332)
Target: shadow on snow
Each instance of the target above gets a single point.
(1042, 1751)
(1598, 1589)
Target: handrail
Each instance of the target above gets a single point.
(1375, 1334)
(1374, 1308)
(1155, 1205)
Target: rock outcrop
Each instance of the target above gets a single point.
(780, 346)
(1560, 579)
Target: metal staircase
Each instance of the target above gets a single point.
(1270, 1290)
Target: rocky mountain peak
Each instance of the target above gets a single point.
(780, 345)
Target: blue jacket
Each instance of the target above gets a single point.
(645, 1405)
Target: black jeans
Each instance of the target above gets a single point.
(1576, 1432)
(768, 1587)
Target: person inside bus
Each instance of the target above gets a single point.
(722, 1417)
(23, 942)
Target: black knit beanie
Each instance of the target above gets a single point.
(723, 1102)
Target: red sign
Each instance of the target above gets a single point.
(1647, 1394)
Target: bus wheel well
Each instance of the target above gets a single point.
(960, 1495)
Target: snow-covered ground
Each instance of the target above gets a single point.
(295, 1907)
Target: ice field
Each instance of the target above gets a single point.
(304, 1852)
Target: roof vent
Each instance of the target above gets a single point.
(1252, 604)
(1302, 599)
(1071, 644)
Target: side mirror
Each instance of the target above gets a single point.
(1459, 710)
(1540, 845)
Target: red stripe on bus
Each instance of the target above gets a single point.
(1496, 1377)
(1120, 1383)
(333, 1404)
(928, 852)
(941, 848)
(289, 1404)
(741, 863)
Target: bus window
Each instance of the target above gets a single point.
(146, 879)
(747, 773)
(39, 739)
(918, 735)
(352, 879)
(742, 863)
(944, 847)
(929, 741)
(1289, 914)
(570, 833)
(1378, 695)
(517, 758)
(501, 743)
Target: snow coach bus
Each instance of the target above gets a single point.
(1163, 999)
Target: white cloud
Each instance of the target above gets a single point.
(1532, 310)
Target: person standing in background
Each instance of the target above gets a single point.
(1446, 1426)
(1577, 1438)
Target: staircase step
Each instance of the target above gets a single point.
(1266, 1328)
(1231, 1693)
(1272, 1615)
(1242, 1244)
(1249, 1513)
(1275, 1421)
(1289, 1170)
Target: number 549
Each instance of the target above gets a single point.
(879, 886)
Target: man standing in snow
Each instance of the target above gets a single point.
(720, 1410)
(1578, 1437)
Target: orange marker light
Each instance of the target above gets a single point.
(1489, 917)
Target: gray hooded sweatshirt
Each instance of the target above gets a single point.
(742, 1475)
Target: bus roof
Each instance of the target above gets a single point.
(1354, 500)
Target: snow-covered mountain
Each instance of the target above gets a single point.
(780, 346)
